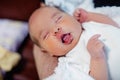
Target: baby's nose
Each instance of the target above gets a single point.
(58, 30)
(58, 33)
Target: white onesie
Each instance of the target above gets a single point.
(76, 64)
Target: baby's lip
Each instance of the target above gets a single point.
(67, 38)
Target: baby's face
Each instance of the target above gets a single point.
(54, 31)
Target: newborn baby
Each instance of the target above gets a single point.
(59, 34)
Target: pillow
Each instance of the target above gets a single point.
(12, 33)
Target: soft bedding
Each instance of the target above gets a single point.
(69, 6)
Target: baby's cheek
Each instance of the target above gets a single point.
(55, 47)
(51, 43)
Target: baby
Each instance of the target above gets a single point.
(60, 34)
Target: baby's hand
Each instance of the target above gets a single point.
(81, 15)
(96, 47)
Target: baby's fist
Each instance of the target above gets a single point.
(96, 47)
(81, 15)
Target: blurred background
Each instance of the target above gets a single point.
(14, 15)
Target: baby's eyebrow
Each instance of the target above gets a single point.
(54, 14)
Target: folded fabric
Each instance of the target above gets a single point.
(8, 59)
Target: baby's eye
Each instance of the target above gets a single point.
(58, 19)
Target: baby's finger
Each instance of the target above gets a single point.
(76, 16)
(77, 12)
(99, 43)
(96, 36)
(81, 10)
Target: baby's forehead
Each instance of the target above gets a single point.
(46, 12)
(43, 14)
(49, 9)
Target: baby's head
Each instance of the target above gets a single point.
(54, 31)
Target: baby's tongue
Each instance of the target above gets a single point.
(67, 38)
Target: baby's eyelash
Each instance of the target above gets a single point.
(58, 19)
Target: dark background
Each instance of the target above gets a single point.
(22, 9)
(99, 3)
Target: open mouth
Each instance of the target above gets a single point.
(67, 38)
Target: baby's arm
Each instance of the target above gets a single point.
(83, 16)
(98, 65)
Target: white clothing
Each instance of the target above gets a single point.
(76, 64)
(110, 37)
